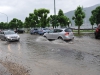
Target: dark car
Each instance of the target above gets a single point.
(97, 32)
(20, 31)
(34, 31)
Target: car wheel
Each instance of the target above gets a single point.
(45, 37)
(60, 38)
(18, 40)
(35, 33)
(96, 37)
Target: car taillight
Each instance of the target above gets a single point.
(67, 33)
(97, 30)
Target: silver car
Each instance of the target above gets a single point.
(64, 34)
(9, 35)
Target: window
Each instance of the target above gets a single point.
(68, 30)
(57, 30)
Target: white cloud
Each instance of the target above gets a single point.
(21, 8)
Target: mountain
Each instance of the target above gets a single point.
(87, 11)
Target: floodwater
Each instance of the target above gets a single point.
(35, 55)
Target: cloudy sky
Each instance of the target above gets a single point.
(20, 9)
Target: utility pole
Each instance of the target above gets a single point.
(5, 15)
(54, 8)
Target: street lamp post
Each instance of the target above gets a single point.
(6, 16)
(54, 8)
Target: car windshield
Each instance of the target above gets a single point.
(9, 32)
(68, 30)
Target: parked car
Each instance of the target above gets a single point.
(97, 32)
(19, 31)
(34, 31)
(64, 34)
(41, 31)
(9, 35)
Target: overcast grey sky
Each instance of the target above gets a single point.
(20, 9)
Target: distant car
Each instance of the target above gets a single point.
(41, 31)
(97, 32)
(9, 35)
(34, 31)
(19, 31)
(64, 34)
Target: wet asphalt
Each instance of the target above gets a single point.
(38, 56)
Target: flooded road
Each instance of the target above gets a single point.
(38, 56)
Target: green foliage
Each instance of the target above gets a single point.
(15, 23)
(96, 15)
(38, 18)
(62, 19)
(26, 23)
(54, 20)
(60, 13)
(42, 16)
(78, 18)
(4, 25)
(92, 20)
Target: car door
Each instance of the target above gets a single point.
(49, 34)
(55, 34)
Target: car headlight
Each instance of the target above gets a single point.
(8, 37)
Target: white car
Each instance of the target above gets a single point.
(64, 34)
(9, 35)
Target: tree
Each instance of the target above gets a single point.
(15, 23)
(42, 17)
(33, 20)
(91, 19)
(68, 22)
(54, 21)
(3, 25)
(96, 15)
(62, 19)
(38, 18)
(27, 22)
(78, 17)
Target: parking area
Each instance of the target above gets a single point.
(38, 56)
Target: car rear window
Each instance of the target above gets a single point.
(68, 30)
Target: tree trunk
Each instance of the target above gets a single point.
(92, 27)
(68, 25)
(78, 30)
